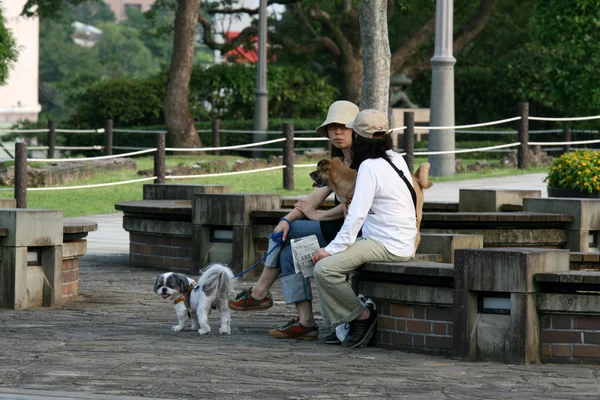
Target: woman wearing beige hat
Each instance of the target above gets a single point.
(384, 207)
(302, 221)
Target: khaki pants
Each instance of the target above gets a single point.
(337, 298)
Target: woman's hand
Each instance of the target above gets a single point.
(284, 227)
(319, 255)
(309, 211)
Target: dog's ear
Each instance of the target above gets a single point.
(182, 281)
(156, 283)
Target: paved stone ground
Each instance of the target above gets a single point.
(115, 340)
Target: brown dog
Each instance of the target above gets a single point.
(341, 179)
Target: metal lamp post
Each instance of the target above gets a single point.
(442, 92)
(261, 110)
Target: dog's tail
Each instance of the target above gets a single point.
(219, 278)
(422, 174)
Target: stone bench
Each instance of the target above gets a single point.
(492, 200)
(40, 266)
(414, 301)
(74, 246)
(569, 303)
(160, 232)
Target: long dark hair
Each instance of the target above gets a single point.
(335, 152)
(363, 148)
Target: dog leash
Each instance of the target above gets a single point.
(277, 238)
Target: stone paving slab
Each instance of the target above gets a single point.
(115, 340)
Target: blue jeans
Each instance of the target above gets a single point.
(295, 286)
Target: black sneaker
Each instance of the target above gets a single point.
(361, 331)
(332, 338)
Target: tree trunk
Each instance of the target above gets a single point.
(351, 71)
(177, 105)
(376, 55)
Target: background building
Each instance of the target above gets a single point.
(119, 7)
(19, 97)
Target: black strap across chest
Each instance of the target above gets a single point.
(413, 194)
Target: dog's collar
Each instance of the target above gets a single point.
(348, 202)
(185, 297)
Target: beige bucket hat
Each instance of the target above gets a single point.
(340, 112)
(369, 121)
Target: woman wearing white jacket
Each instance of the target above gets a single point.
(383, 207)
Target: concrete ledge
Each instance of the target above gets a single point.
(409, 294)
(568, 303)
(77, 228)
(492, 200)
(512, 270)
(445, 244)
(169, 208)
(163, 191)
(74, 249)
(411, 267)
(585, 212)
(157, 227)
(575, 277)
(436, 258)
(511, 237)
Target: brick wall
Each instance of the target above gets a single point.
(415, 328)
(570, 339)
(583, 261)
(70, 284)
(171, 252)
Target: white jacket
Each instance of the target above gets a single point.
(382, 206)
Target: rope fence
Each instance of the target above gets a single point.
(287, 140)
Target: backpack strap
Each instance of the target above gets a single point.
(413, 194)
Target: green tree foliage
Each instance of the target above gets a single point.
(229, 89)
(64, 68)
(123, 53)
(8, 50)
(131, 49)
(559, 68)
(481, 89)
(221, 91)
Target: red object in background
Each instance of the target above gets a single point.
(243, 54)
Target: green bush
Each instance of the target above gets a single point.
(126, 101)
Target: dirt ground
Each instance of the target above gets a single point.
(115, 339)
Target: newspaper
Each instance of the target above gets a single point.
(302, 252)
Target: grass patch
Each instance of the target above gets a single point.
(81, 202)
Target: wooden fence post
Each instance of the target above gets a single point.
(566, 138)
(159, 157)
(216, 134)
(288, 156)
(51, 138)
(108, 137)
(523, 154)
(409, 139)
(21, 174)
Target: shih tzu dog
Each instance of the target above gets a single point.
(195, 301)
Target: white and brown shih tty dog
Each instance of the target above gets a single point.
(195, 301)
